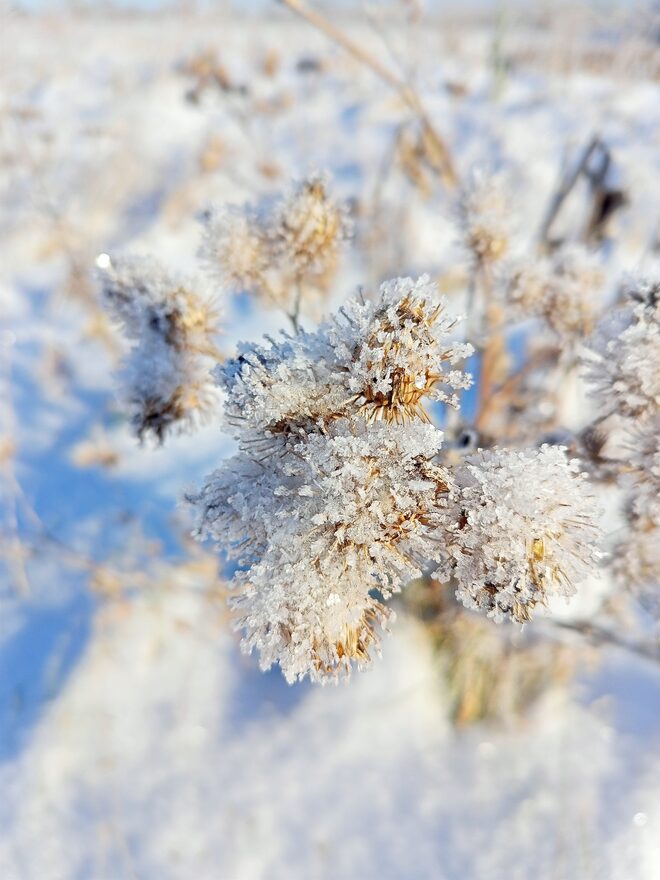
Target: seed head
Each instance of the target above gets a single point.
(521, 527)
(170, 323)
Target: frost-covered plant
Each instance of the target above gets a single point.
(637, 563)
(624, 357)
(235, 249)
(340, 495)
(643, 461)
(286, 255)
(563, 289)
(342, 514)
(170, 323)
(485, 217)
(379, 359)
(308, 228)
(396, 352)
(334, 493)
(520, 528)
(623, 369)
(341, 490)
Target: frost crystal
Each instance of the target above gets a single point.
(623, 365)
(171, 324)
(520, 527)
(344, 514)
(563, 289)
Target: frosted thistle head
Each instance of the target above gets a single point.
(521, 527)
(484, 216)
(309, 228)
(170, 323)
(397, 351)
(235, 248)
(623, 361)
(347, 512)
(281, 390)
(562, 289)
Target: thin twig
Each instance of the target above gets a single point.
(294, 316)
(599, 635)
(492, 350)
(409, 95)
(568, 181)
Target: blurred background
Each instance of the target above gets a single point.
(136, 742)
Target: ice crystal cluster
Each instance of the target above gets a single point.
(344, 513)
(520, 528)
(562, 289)
(170, 324)
(287, 254)
(624, 367)
(339, 494)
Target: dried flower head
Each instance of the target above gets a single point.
(643, 465)
(285, 253)
(235, 248)
(171, 324)
(484, 216)
(623, 364)
(346, 512)
(563, 289)
(521, 527)
(308, 229)
(280, 390)
(395, 352)
(377, 359)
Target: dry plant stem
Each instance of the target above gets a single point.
(408, 94)
(294, 317)
(599, 635)
(491, 351)
(568, 181)
(502, 395)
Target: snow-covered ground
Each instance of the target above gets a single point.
(136, 743)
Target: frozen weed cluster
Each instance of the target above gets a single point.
(343, 490)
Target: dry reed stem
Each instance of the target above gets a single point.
(436, 145)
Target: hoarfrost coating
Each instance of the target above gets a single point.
(521, 527)
(624, 356)
(170, 323)
(377, 358)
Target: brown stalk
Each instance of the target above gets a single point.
(502, 395)
(491, 353)
(435, 142)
